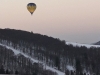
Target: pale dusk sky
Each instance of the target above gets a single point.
(70, 20)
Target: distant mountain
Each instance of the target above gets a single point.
(85, 45)
(29, 53)
(97, 43)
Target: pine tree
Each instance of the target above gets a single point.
(78, 66)
(16, 72)
(7, 72)
(57, 62)
(2, 71)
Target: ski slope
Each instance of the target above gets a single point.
(78, 44)
(16, 52)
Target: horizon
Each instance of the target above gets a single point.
(69, 20)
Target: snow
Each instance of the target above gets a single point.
(79, 45)
(70, 68)
(16, 52)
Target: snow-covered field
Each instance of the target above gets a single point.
(78, 44)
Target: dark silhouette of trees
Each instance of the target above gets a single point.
(2, 71)
(16, 72)
(57, 62)
(78, 66)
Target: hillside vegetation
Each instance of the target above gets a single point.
(53, 52)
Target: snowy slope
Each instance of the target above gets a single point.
(16, 52)
(97, 43)
(78, 44)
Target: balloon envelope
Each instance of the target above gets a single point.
(31, 7)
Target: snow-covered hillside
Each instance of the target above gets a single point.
(69, 67)
(16, 52)
(78, 44)
(97, 43)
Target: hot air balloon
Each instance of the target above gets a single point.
(31, 7)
